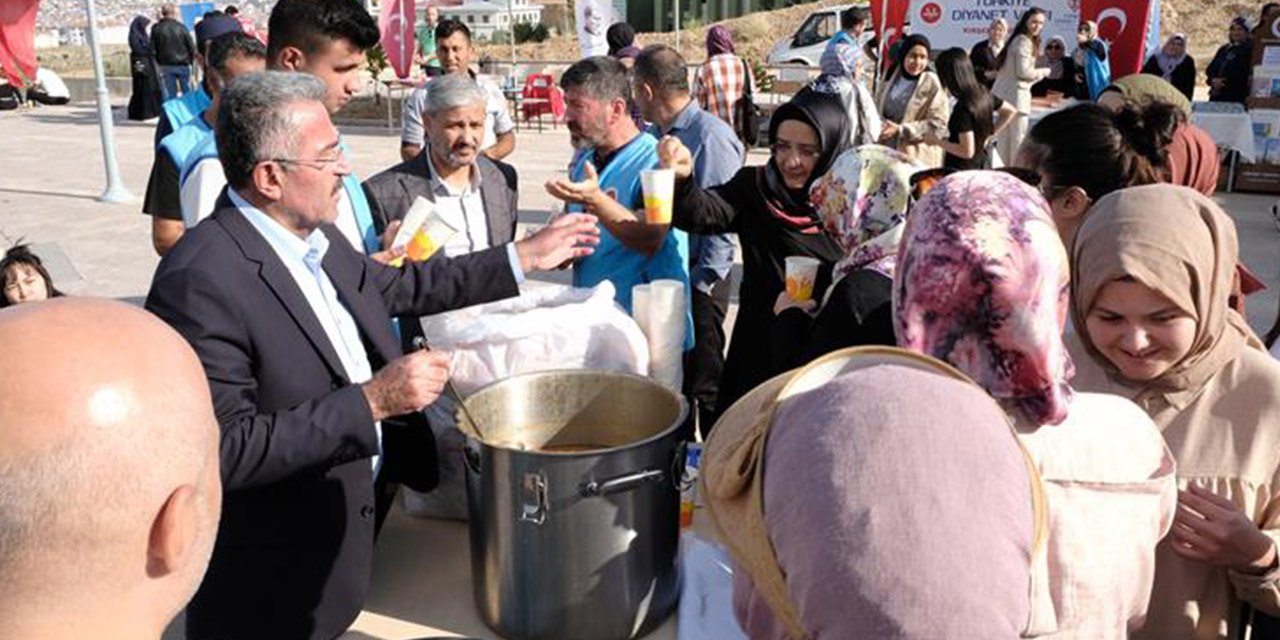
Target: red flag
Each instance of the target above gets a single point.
(18, 39)
(897, 15)
(396, 22)
(888, 25)
(1122, 24)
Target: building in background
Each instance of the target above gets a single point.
(485, 17)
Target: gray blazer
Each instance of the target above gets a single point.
(392, 192)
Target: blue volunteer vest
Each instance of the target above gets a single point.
(614, 261)
(186, 107)
(205, 147)
(183, 141)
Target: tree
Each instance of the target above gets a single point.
(526, 32)
(375, 62)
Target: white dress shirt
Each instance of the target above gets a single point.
(304, 260)
(463, 209)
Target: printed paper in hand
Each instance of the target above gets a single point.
(422, 233)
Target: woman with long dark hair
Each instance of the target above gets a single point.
(144, 104)
(973, 121)
(1018, 71)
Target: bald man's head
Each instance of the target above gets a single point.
(109, 486)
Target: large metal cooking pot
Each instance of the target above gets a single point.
(576, 543)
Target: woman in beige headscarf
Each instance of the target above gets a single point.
(1149, 297)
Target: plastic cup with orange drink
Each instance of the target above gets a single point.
(802, 273)
(659, 186)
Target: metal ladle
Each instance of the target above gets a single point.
(420, 344)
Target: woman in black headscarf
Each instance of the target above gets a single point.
(769, 208)
(1231, 68)
(913, 105)
(144, 104)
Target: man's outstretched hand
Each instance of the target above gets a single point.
(568, 237)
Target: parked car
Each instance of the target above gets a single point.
(805, 46)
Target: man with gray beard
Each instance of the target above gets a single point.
(472, 193)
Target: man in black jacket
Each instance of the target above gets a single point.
(312, 393)
(175, 51)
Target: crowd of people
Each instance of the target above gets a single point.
(1066, 430)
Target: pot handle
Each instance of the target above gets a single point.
(622, 483)
(534, 506)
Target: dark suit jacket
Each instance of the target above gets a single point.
(392, 192)
(293, 553)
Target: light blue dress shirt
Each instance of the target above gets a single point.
(304, 260)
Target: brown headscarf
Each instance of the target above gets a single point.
(1179, 243)
(1193, 159)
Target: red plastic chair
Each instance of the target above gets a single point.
(535, 98)
(557, 105)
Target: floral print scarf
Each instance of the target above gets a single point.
(863, 204)
(982, 283)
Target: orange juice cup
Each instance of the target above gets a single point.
(659, 187)
(802, 272)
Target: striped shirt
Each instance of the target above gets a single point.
(718, 86)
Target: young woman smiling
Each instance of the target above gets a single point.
(769, 208)
(914, 106)
(1152, 268)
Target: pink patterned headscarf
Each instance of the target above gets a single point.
(982, 283)
(863, 203)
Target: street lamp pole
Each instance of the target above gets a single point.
(115, 191)
(511, 30)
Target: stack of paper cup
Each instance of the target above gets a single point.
(659, 308)
(659, 186)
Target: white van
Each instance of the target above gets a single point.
(806, 45)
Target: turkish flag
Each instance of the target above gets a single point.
(888, 26)
(1122, 24)
(18, 39)
(893, 24)
(396, 22)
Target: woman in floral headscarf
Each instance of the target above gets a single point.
(863, 203)
(981, 283)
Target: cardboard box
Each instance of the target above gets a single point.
(1257, 178)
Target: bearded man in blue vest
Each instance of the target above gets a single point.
(604, 180)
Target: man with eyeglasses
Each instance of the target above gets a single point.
(312, 393)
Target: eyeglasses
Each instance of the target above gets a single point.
(319, 164)
(1055, 46)
(805, 151)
